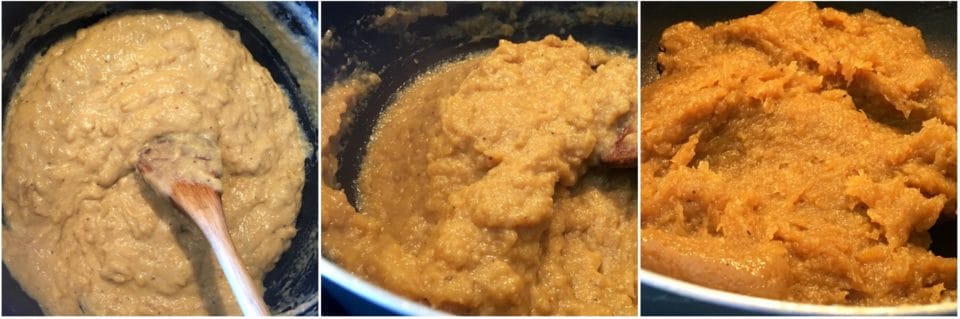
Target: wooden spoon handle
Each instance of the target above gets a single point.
(624, 151)
(187, 168)
(203, 205)
(243, 288)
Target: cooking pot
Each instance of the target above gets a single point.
(399, 54)
(282, 37)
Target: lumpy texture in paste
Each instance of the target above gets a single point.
(800, 154)
(82, 234)
(476, 191)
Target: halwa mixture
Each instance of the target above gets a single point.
(82, 234)
(800, 154)
(481, 190)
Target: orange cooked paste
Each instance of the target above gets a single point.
(800, 154)
(480, 193)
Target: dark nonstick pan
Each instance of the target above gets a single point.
(938, 23)
(399, 54)
(291, 287)
(391, 55)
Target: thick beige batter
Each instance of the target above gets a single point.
(82, 233)
(477, 194)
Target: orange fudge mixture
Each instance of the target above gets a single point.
(800, 154)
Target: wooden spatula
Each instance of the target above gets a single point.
(186, 168)
(624, 151)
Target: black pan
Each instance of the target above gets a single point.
(392, 56)
(291, 287)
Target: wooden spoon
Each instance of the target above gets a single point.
(186, 168)
(624, 152)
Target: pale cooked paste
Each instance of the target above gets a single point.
(82, 233)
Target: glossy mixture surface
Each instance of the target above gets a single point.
(800, 154)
